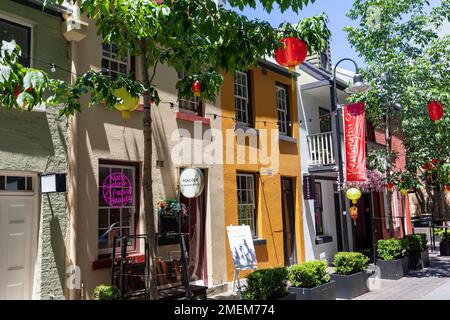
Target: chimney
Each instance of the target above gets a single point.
(322, 59)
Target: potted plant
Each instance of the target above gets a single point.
(267, 284)
(444, 244)
(392, 263)
(416, 250)
(311, 281)
(169, 213)
(106, 292)
(350, 275)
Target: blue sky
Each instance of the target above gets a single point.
(336, 11)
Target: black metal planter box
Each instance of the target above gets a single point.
(393, 269)
(444, 248)
(350, 286)
(326, 291)
(289, 296)
(418, 259)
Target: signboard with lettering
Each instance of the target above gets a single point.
(355, 142)
(117, 190)
(308, 187)
(242, 248)
(192, 183)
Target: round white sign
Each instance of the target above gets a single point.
(192, 183)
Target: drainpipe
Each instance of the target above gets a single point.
(74, 30)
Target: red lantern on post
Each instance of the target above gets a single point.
(292, 54)
(197, 88)
(435, 110)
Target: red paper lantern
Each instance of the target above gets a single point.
(390, 186)
(197, 88)
(292, 54)
(435, 110)
(16, 91)
(447, 188)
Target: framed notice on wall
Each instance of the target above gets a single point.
(242, 248)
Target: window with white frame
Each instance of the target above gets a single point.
(284, 120)
(117, 204)
(246, 201)
(192, 105)
(20, 34)
(241, 97)
(112, 64)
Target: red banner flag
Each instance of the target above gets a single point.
(355, 142)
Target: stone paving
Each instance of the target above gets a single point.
(432, 283)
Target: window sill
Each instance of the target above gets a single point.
(259, 242)
(288, 139)
(106, 263)
(323, 239)
(246, 128)
(192, 117)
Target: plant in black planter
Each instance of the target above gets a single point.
(416, 250)
(311, 281)
(392, 263)
(170, 211)
(267, 284)
(444, 244)
(350, 276)
(106, 292)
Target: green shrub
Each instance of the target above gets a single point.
(309, 274)
(390, 249)
(105, 292)
(266, 284)
(445, 237)
(415, 242)
(347, 263)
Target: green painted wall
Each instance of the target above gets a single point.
(36, 142)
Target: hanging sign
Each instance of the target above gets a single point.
(242, 248)
(355, 142)
(117, 190)
(192, 183)
(308, 187)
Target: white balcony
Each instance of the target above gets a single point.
(321, 149)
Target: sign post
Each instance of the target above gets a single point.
(242, 250)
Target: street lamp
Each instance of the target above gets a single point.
(358, 86)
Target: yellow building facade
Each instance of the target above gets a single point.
(260, 117)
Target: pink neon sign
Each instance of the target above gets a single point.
(117, 190)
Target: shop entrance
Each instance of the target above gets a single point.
(288, 210)
(363, 228)
(17, 239)
(193, 224)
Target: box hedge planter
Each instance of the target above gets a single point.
(267, 284)
(311, 281)
(392, 264)
(416, 251)
(444, 245)
(350, 275)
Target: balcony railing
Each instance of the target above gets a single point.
(321, 149)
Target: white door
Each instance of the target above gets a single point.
(16, 227)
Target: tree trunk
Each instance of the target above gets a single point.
(149, 211)
(388, 172)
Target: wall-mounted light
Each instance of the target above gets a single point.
(53, 182)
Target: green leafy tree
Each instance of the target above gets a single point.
(407, 65)
(195, 36)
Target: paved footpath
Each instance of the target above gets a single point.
(432, 283)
